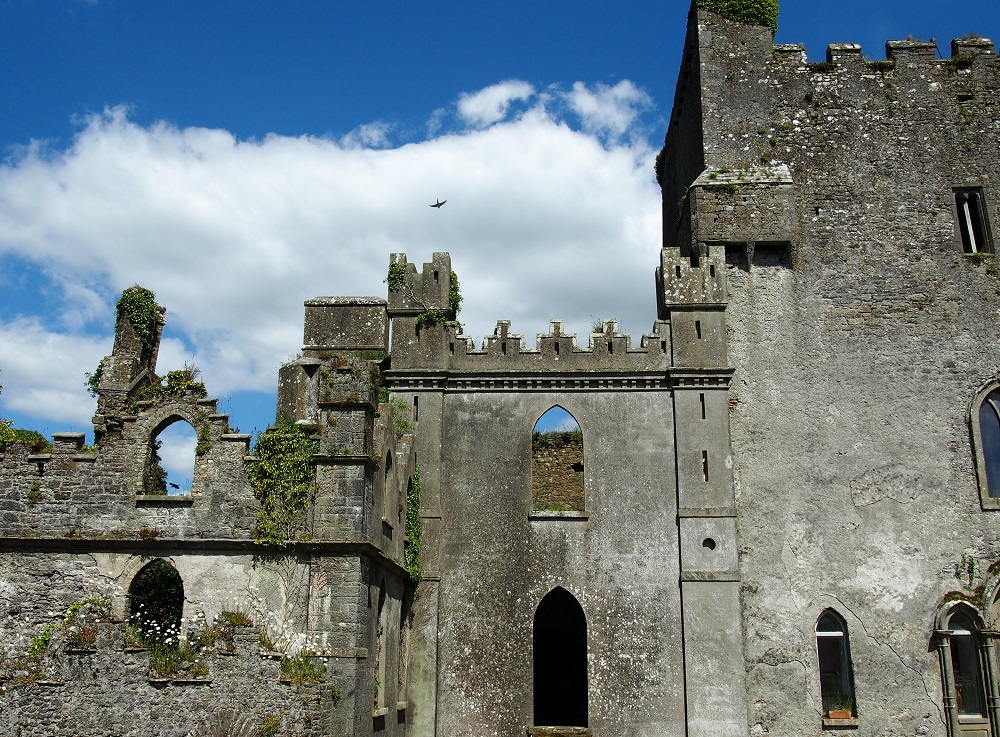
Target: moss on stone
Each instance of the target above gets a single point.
(753, 12)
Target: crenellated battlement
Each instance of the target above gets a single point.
(836, 129)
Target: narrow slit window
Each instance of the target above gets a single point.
(836, 677)
(416, 409)
(701, 399)
(697, 328)
(704, 464)
(973, 221)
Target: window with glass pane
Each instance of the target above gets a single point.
(989, 435)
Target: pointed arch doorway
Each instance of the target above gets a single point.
(559, 639)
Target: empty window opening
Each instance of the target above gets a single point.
(697, 328)
(973, 221)
(663, 346)
(701, 399)
(557, 347)
(711, 270)
(557, 462)
(694, 260)
(503, 347)
(386, 486)
(708, 543)
(559, 639)
(836, 676)
(416, 407)
(611, 348)
(156, 602)
(403, 653)
(451, 347)
(677, 270)
(170, 464)
(704, 464)
(435, 276)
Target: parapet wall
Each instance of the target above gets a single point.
(858, 137)
(67, 493)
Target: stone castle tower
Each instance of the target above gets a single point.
(783, 520)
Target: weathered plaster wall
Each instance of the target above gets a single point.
(857, 355)
(498, 562)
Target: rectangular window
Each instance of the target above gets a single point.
(973, 220)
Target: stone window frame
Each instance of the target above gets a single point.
(972, 215)
(979, 450)
(984, 667)
(548, 514)
(145, 433)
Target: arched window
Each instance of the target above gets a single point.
(966, 672)
(156, 602)
(836, 675)
(170, 466)
(965, 669)
(557, 462)
(560, 661)
(985, 421)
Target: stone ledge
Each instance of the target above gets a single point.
(146, 500)
(542, 514)
(851, 723)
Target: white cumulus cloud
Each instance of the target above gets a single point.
(543, 221)
(491, 105)
(608, 110)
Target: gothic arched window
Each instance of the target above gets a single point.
(557, 462)
(966, 671)
(560, 661)
(170, 464)
(985, 421)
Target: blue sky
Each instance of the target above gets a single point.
(239, 158)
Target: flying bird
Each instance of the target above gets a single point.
(438, 203)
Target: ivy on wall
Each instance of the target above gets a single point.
(282, 472)
(138, 304)
(413, 530)
(754, 12)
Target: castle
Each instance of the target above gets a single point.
(785, 521)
